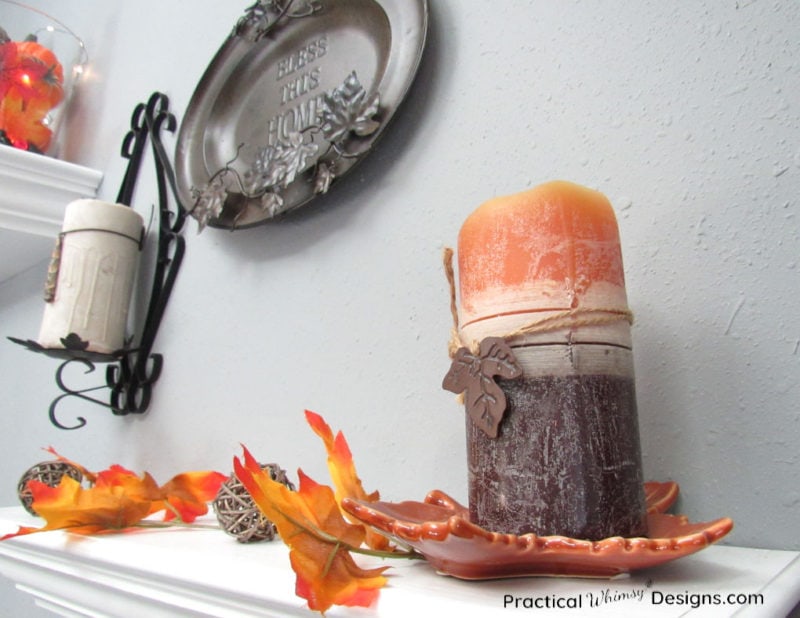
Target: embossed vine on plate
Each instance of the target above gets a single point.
(343, 112)
(296, 95)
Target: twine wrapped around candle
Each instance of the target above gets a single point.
(569, 318)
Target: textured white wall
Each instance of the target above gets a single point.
(685, 114)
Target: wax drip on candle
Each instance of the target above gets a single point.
(550, 249)
(572, 318)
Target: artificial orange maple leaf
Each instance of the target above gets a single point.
(143, 489)
(23, 121)
(8, 60)
(184, 496)
(87, 474)
(39, 74)
(320, 540)
(87, 511)
(31, 84)
(343, 473)
(118, 499)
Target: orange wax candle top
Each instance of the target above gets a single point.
(550, 249)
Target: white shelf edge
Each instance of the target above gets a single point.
(37, 188)
(179, 572)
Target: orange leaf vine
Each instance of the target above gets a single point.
(319, 538)
(117, 499)
(310, 522)
(343, 473)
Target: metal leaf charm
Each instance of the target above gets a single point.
(347, 109)
(296, 156)
(324, 177)
(209, 200)
(260, 18)
(279, 164)
(473, 375)
(272, 203)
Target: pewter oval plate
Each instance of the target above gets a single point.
(297, 94)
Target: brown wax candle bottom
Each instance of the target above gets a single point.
(566, 461)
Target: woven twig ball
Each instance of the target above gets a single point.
(238, 514)
(49, 473)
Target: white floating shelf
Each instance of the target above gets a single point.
(36, 189)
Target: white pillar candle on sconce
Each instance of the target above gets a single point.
(93, 274)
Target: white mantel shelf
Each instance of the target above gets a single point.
(36, 188)
(184, 572)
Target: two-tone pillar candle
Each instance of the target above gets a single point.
(92, 276)
(543, 270)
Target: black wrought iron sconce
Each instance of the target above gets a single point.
(132, 370)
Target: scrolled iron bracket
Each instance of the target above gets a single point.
(133, 370)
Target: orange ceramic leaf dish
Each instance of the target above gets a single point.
(310, 523)
(439, 528)
(343, 473)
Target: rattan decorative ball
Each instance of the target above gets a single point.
(49, 473)
(238, 514)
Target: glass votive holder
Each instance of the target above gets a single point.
(40, 61)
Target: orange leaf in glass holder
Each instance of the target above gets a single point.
(38, 73)
(8, 60)
(22, 120)
(31, 85)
